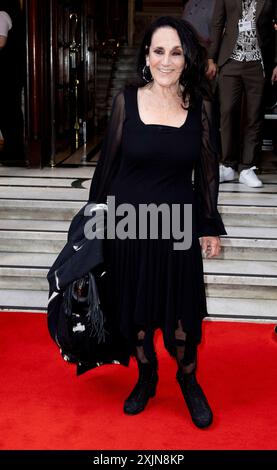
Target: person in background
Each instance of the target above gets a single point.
(242, 48)
(199, 14)
(11, 83)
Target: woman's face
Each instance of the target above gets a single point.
(166, 58)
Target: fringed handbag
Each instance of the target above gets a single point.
(82, 309)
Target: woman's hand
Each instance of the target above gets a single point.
(210, 246)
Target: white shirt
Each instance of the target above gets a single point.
(5, 23)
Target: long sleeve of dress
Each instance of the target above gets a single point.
(206, 181)
(110, 152)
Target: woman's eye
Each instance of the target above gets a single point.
(176, 53)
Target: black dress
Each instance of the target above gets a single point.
(150, 284)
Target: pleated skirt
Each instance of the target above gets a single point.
(152, 286)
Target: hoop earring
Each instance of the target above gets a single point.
(146, 70)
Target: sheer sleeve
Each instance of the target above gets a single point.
(206, 181)
(110, 152)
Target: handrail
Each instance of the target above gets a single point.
(131, 21)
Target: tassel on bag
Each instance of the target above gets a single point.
(95, 314)
(83, 310)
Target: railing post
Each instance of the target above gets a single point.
(131, 21)
(34, 85)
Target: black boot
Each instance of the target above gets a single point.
(144, 389)
(195, 399)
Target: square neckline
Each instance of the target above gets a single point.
(157, 125)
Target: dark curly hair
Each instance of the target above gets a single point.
(193, 77)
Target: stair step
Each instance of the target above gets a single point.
(248, 272)
(128, 51)
(11, 260)
(236, 187)
(11, 299)
(249, 243)
(120, 83)
(241, 279)
(254, 233)
(238, 289)
(19, 182)
(38, 210)
(121, 71)
(28, 270)
(126, 62)
(19, 225)
(248, 216)
(31, 242)
(25, 270)
(247, 249)
(248, 199)
(54, 194)
(45, 236)
(46, 172)
(102, 89)
(103, 68)
(242, 308)
(26, 279)
(162, 11)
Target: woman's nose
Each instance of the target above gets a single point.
(166, 59)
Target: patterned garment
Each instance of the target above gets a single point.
(247, 47)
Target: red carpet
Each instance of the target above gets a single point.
(45, 406)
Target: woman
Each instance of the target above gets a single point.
(158, 134)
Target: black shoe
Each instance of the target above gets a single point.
(144, 389)
(195, 399)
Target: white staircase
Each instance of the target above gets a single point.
(112, 77)
(35, 212)
(242, 281)
(38, 205)
(124, 72)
